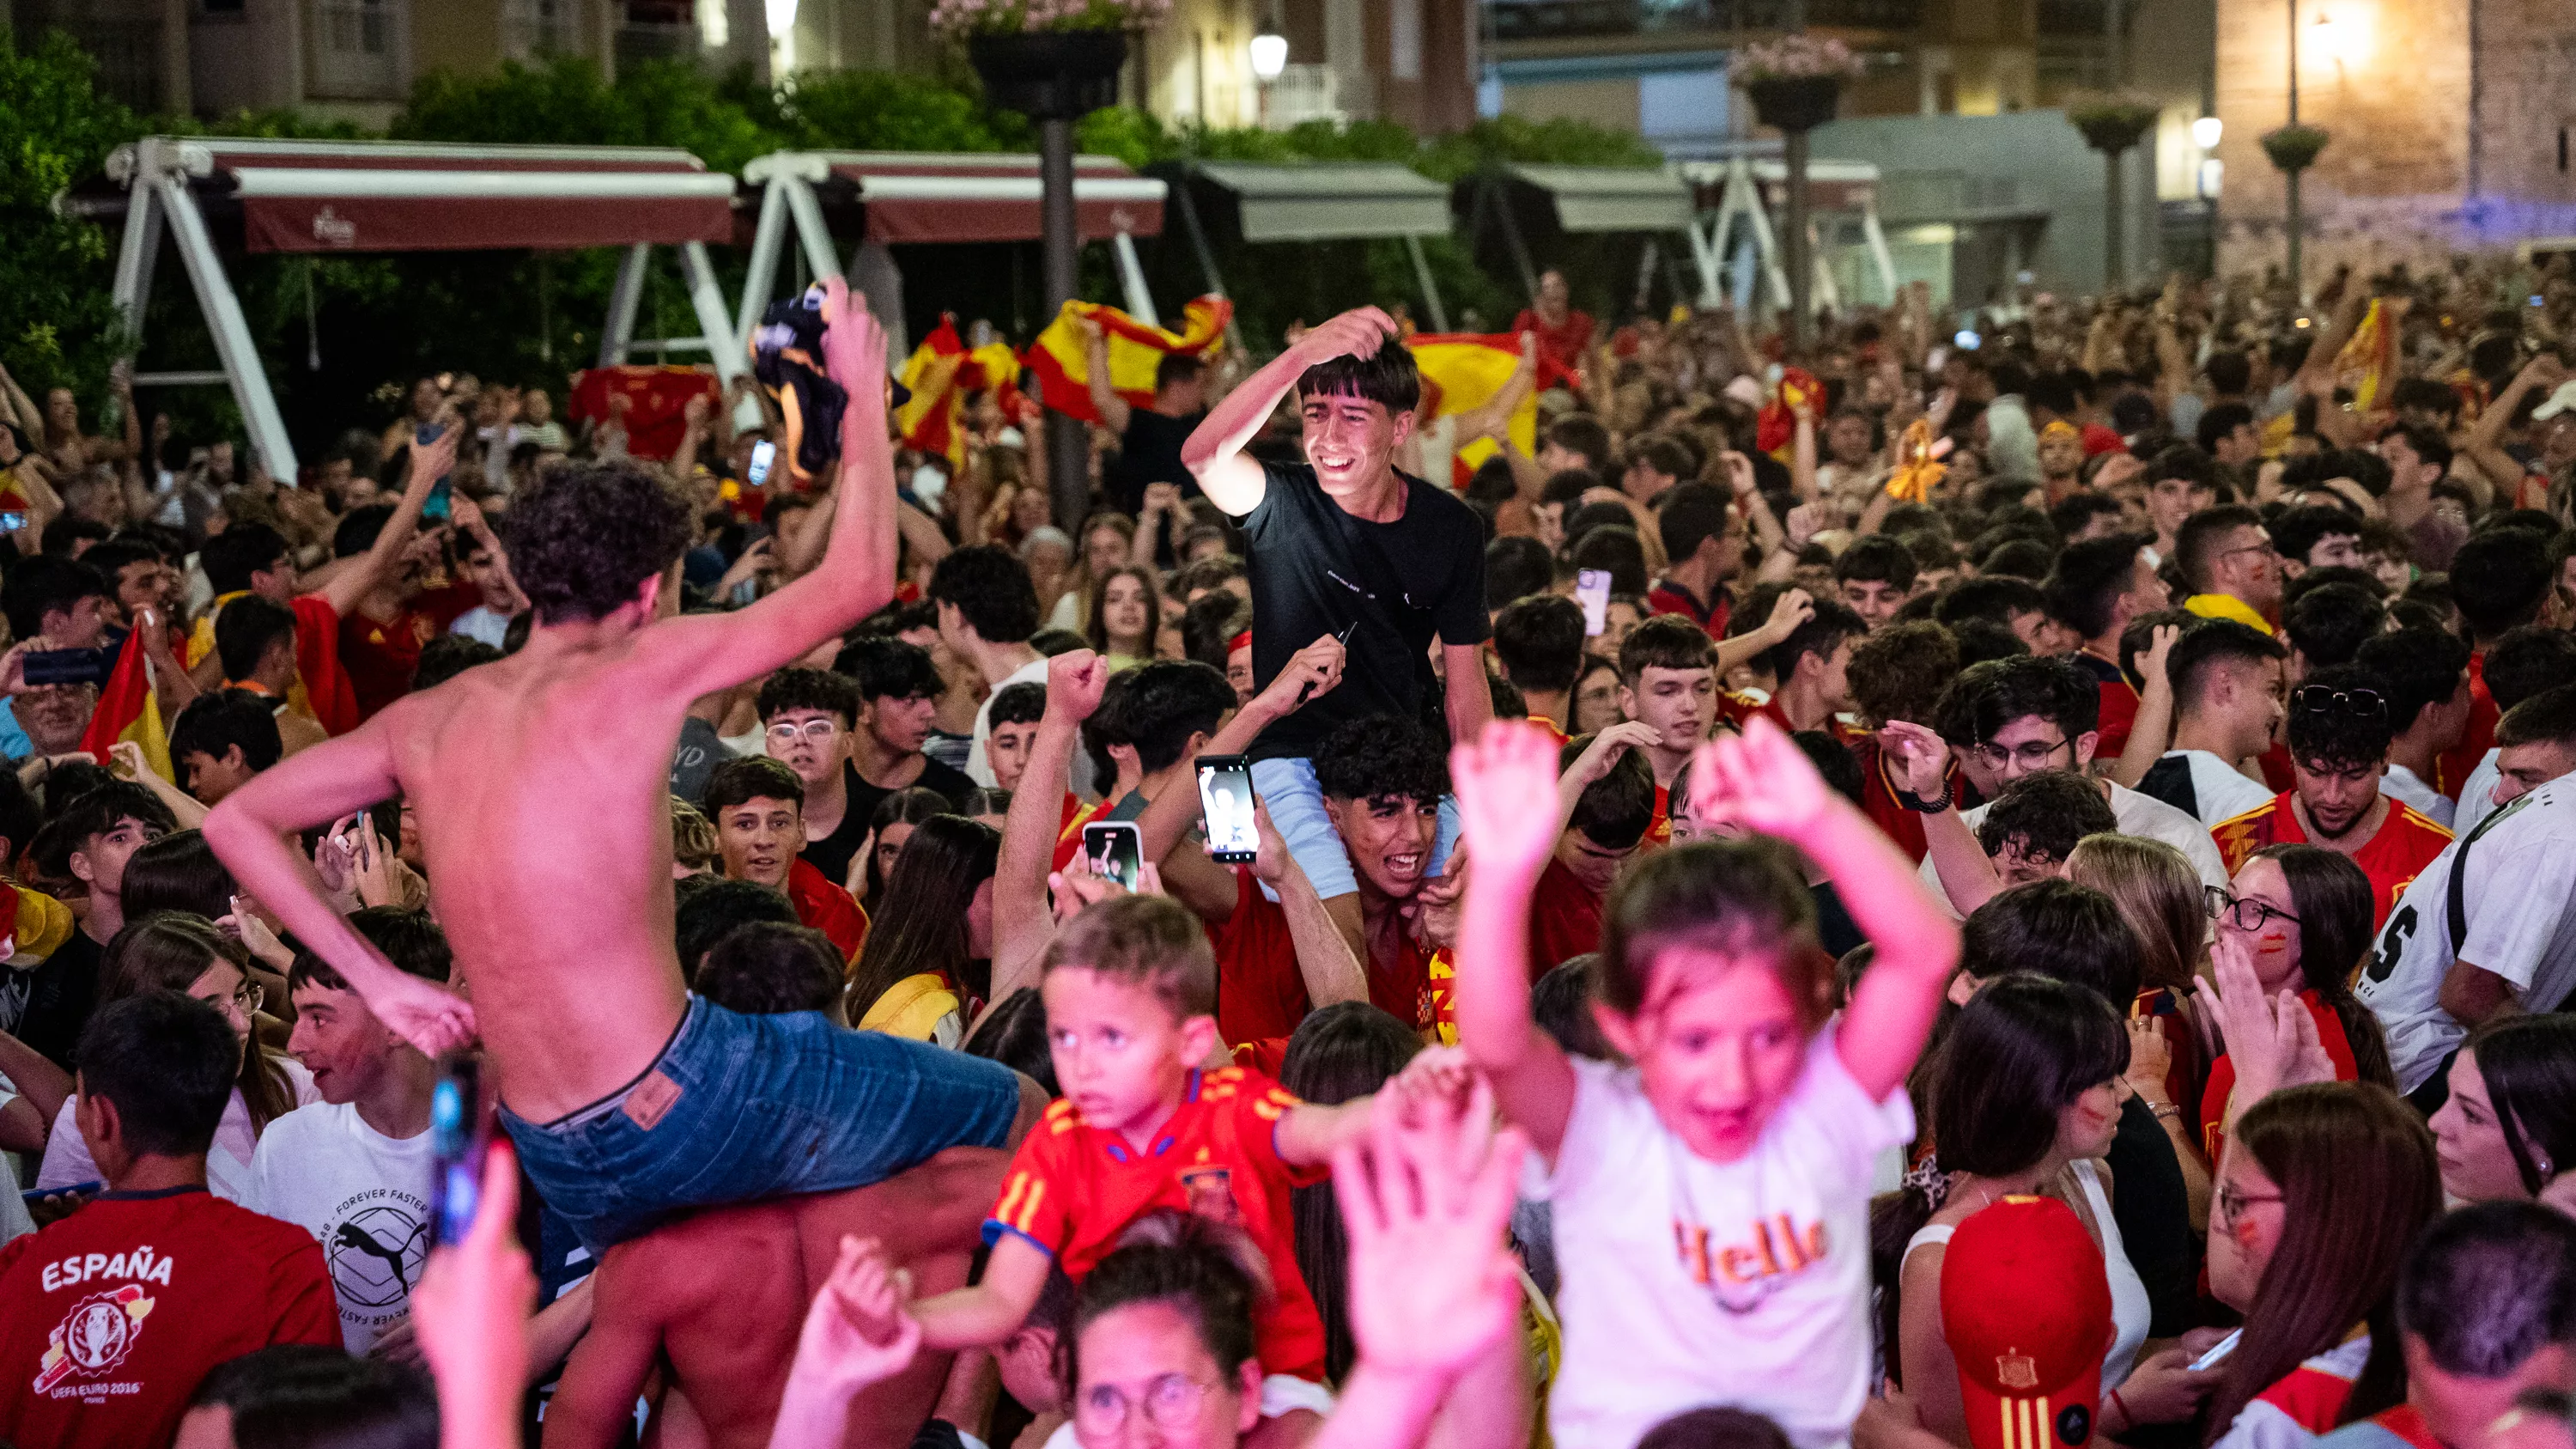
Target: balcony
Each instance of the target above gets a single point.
(1569, 19)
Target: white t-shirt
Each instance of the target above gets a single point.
(2408, 788)
(2518, 892)
(1686, 1282)
(2477, 793)
(2136, 814)
(364, 1195)
(68, 1163)
(978, 769)
(2220, 789)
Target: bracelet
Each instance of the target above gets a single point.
(1932, 806)
(2164, 1109)
(2126, 1421)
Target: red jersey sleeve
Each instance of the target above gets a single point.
(1035, 1202)
(1259, 1103)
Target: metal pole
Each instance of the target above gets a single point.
(1068, 439)
(2115, 221)
(1802, 273)
(2298, 291)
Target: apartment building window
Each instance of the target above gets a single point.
(358, 48)
(532, 29)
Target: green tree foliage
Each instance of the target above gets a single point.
(56, 323)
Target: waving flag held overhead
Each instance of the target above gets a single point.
(2370, 356)
(939, 374)
(1461, 371)
(127, 711)
(1776, 429)
(1063, 365)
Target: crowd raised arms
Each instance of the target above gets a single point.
(1659, 890)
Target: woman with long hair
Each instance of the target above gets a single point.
(2324, 1189)
(2303, 914)
(1125, 615)
(2159, 895)
(889, 827)
(183, 953)
(1105, 544)
(930, 947)
(2509, 1125)
(1596, 696)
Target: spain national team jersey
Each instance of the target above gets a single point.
(1074, 1188)
(2406, 843)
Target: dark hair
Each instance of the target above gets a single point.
(1206, 1271)
(1715, 1429)
(2418, 667)
(2335, 903)
(2073, 513)
(214, 723)
(2219, 420)
(2024, 559)
(2057, 929)
(1876, 558)
(909, 806)
(2529, 1066)
(2339, 736)
(1386, 377)
(2359, 1182)
(1176, 367)
(2500, 578)
(1822, 633)
(2329, 623)
(447, 656)
(229, 558)
(2196, 542)
(1021, 703)
(1383, 757)
(1834, 762)
(2086, 582)
(1740, 897)
(409, 939)
(1561, 1003)
(1898, 673)
(97, 811)
(1209, 626)
(1614, 549)
(767, 968)
(2523, 662)
(2208, 646)
(305, 1396)
(2490, 1285)
(1344, 1050)
(1097, 626)
(821, 690)
(710, 912)
(178, 872)
(1539, 642)
(2297, 530)
(1582, 433)
(1014, 1033)
(920, 923)
(990, 589)
(20, 819)
(1990, 695)
(1614, 811)
(40, 585)
(584, 537)
(167, 1062)
(246, 629)
(2428, 444)
(1665, 641)
(1690, 515)
(750, 777)
(1165, 702)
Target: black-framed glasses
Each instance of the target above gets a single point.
(2233, 1205)
(2245, 915)
(2323, 699)
(2032, 755)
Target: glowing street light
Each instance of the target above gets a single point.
(2206, 131)
(1269, 55)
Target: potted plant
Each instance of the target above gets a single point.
(1047, 59)
(1795, 81)
(2294, 148)
(2113, 121)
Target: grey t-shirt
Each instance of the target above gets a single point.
(699, 752)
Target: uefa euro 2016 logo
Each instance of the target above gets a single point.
(95, 1336)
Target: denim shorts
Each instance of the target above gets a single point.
(1296, 804)
(739, 1108)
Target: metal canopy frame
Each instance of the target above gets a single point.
(157, 173)
(1742, 176)
(1283, 185)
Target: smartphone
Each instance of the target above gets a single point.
(1967, 341)
(35, 1195)
(763, 453)
(66, 666)
(435, 507)
(1225, 804)
(12, 521)
(460, 1129)
(1115, 851)
(2217, 1351)
(1592, 591)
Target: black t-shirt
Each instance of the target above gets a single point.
(1149, 451)
(2151, 1206)
(833, 853)
(1316, 570)
(61, 994)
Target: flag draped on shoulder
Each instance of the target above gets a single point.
(939, 375)
(127, 711)
(1461, 371)
(1063, 365)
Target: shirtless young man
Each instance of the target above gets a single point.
(541, 788)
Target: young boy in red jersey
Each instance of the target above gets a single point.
(1130, 992)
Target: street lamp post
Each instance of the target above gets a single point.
(2291, 177)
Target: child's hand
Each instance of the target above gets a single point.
(1761, 781)
(1426, 1204)
(857, 1333)
(1506, 785)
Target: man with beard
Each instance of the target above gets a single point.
(2339, 737)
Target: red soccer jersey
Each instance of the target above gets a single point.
(1564, 921)
(2456, 764)
(1659, 833)
(1667, 597)
(1259, 992)
(381, 656)
(823, 905)
(1074, 1188)
(317, 664)
(1883, 797)
(117, 1311)
(2406, 843)
(2222, 1073)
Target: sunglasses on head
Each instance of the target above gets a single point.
(2319, 699)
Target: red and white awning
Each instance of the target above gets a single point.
(968, 197)
(384, 196)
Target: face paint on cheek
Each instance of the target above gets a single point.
(2243, 1230)
(2271, 943)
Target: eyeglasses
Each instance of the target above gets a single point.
(2319, 699)
(247, 997)
(819, 731)
(2244, 915)
(2264, 546)
(2232, 1205)
(2033, 756)
(1171, 1402)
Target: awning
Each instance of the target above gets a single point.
(1610, 198)
(966, 197)
(1330, 201)
(381, 196)
(1831, 185)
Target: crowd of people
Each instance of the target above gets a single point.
(1989, 880)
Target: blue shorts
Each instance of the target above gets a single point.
(1296, 804)
(739, 1108)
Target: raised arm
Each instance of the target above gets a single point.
(1496, 777)
(1966, 873)
(502, 595)
(1022, 926)
(1105, 401)
(1214, 453)
(248, 832)
(357, 578)
(1493, 416)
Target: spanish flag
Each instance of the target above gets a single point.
(127, 711)
(2369, 357)
(1461, 371)
(1776, 428)
(1064, 370)
(939, 374)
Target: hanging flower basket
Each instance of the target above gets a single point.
(2115, 121)
(2294, 148)
(1796, 81)
(1795, 105)
(1050, 75)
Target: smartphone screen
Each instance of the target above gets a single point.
(763, 453)
(435, 506)
(1225, 804)
(1115, 851)
(11, 522)
(460, 1133)
(1592, 591)
(2217, 1351)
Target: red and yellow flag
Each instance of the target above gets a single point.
(1775, 431)
(2369, 358)
(1064, 367)
(127, 711)
(1462, 371)
(939, 374)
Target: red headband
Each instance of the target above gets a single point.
(1239, 641)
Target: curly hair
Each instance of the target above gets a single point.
(1382, 757)
(585, 536)
(1899, 672)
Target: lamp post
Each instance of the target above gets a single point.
(2293, 148)
(2291, 175)
(1268, 53)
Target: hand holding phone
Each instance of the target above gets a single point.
(460, 1126)
(1115, 850)
(1592, 591)
(1226, 802)
(763, 454)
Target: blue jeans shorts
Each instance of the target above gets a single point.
(739, 1108)
(1296, 803)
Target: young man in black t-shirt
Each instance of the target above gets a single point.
(1149, 438)
(1343, 546)
(892, 705)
